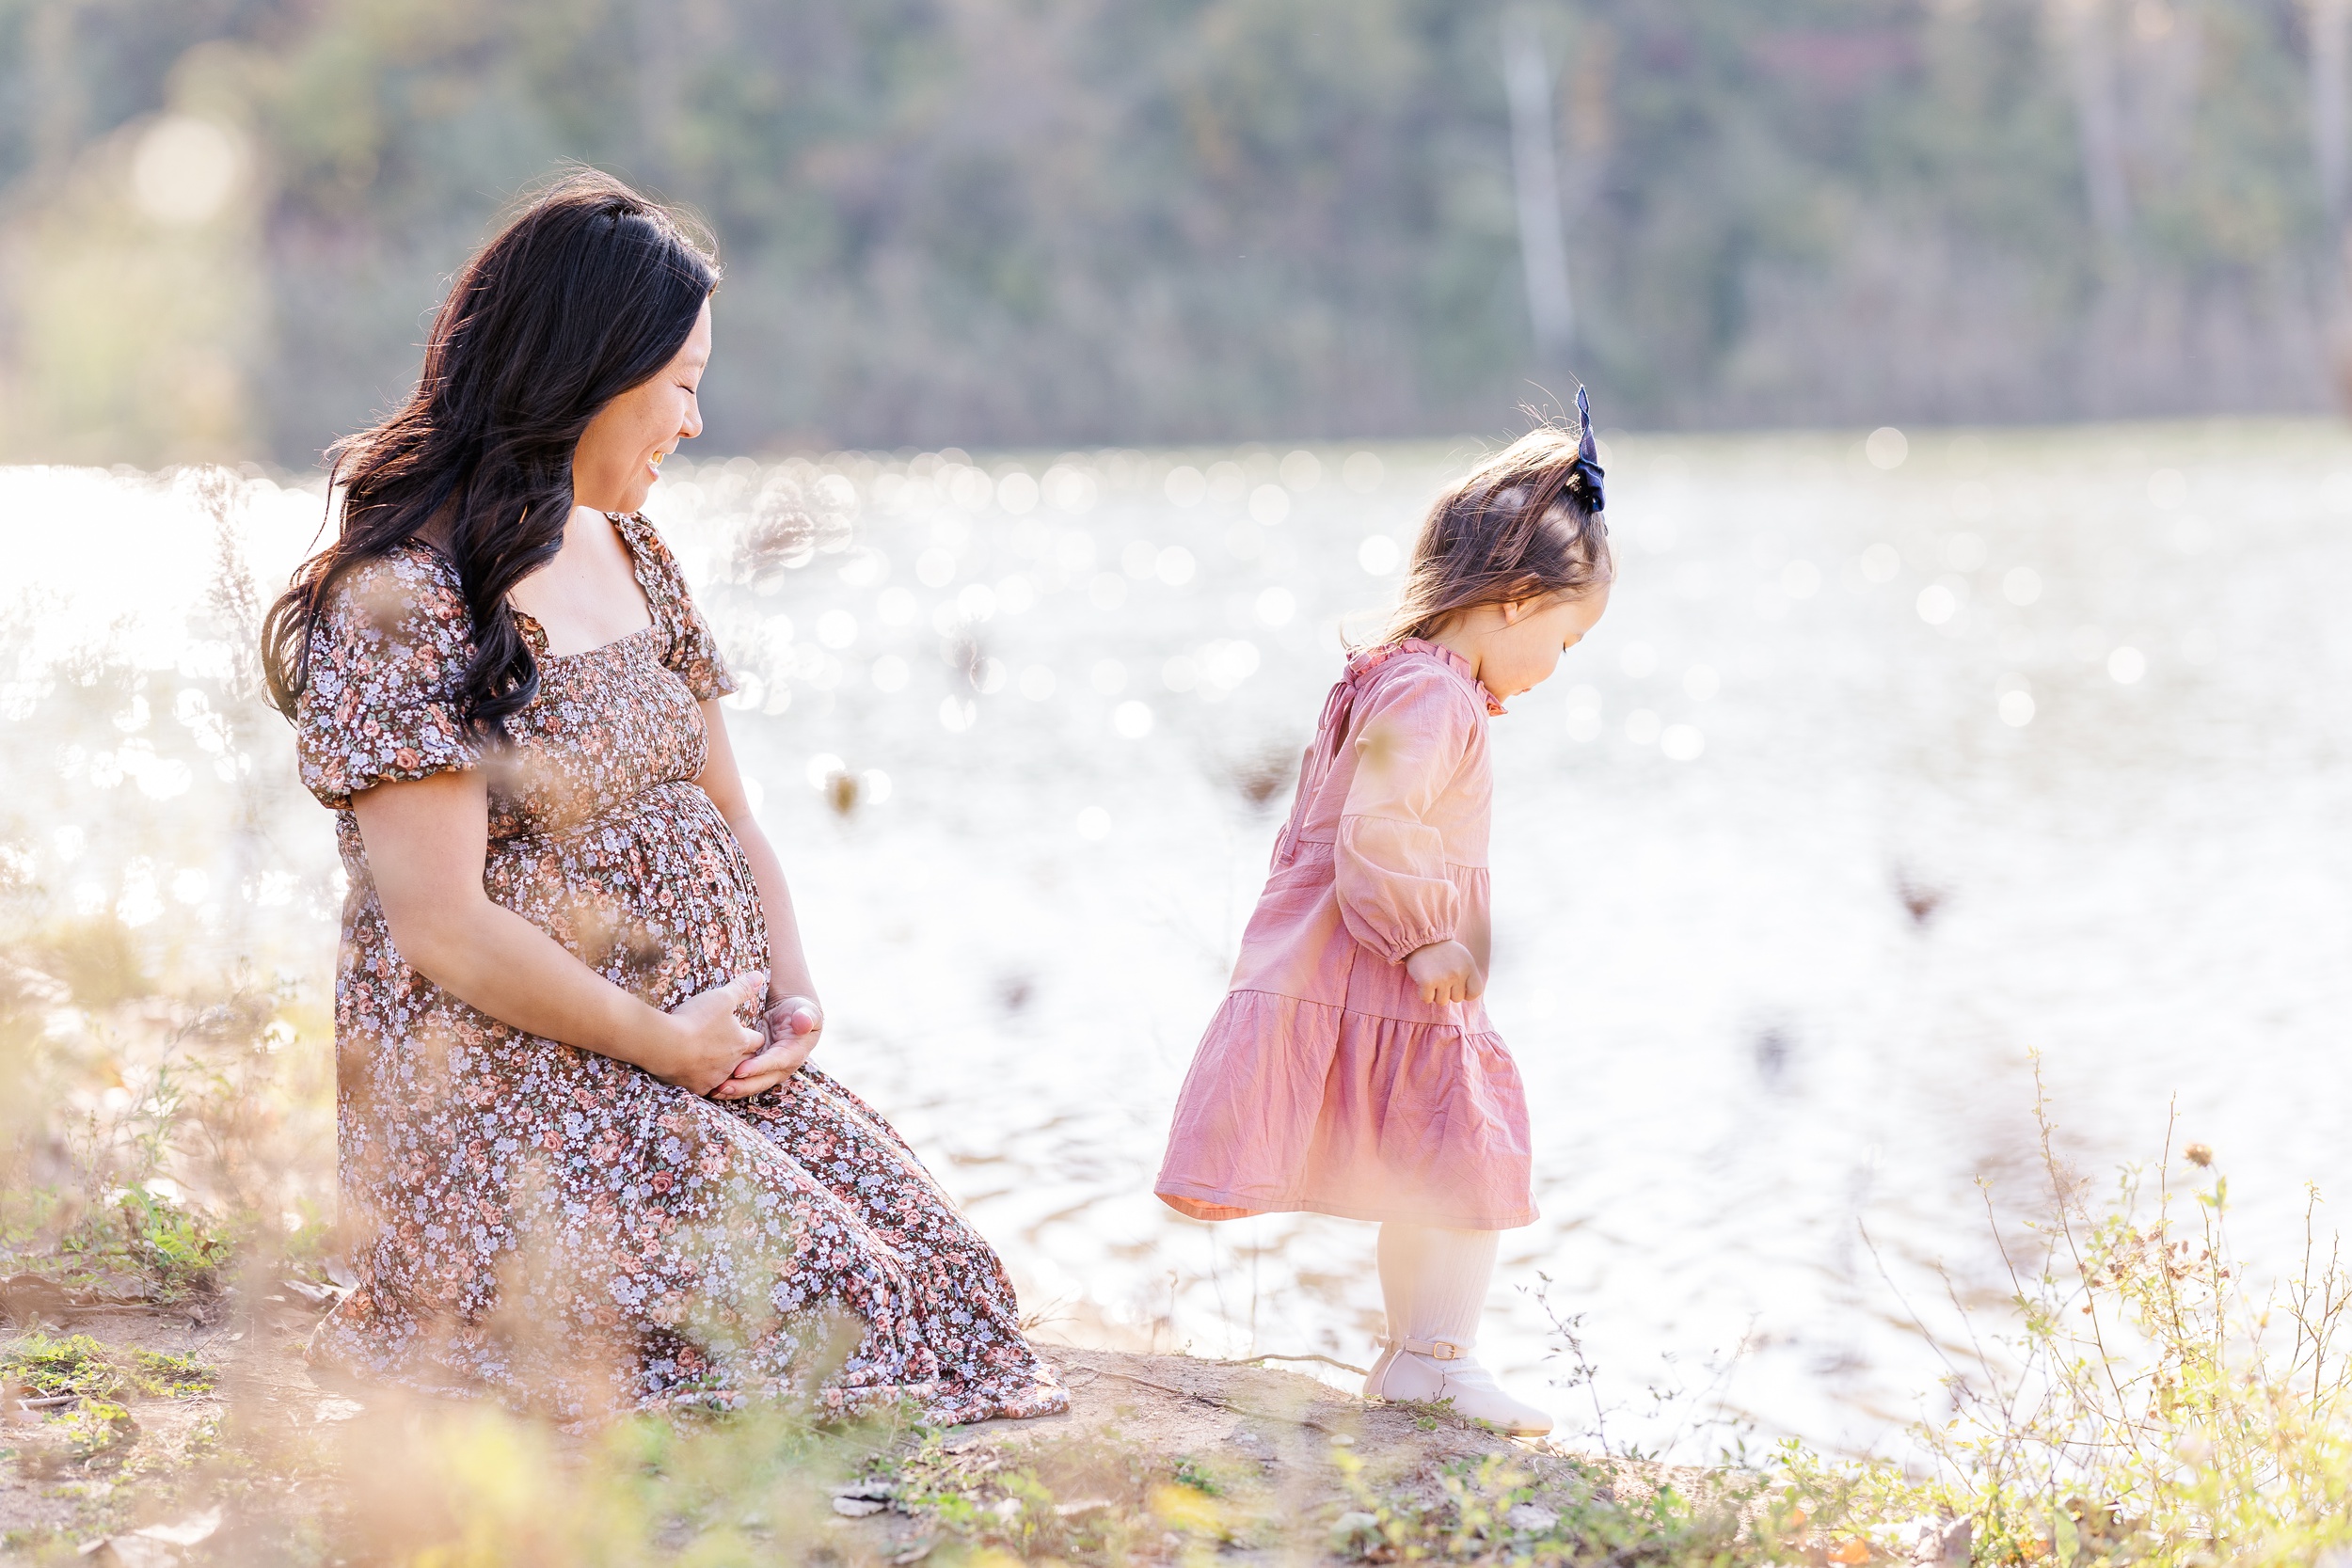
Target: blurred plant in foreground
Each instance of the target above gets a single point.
(2151, 1409)
(163, 1132)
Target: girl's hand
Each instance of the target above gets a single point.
(793, 1024)
(705, 1040)
(1445, 972)
(791, 1017)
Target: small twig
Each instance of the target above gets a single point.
(1271, 1355)
(1211, 1401)
(1872, 1247)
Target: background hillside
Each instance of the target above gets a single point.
(1070, 222)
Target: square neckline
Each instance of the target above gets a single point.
(535, 634)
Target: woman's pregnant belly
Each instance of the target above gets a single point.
(654, 895)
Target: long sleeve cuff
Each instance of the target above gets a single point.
(1395, 898)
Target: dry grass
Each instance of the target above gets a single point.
(2146, 1403)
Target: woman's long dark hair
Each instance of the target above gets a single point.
(591, 292)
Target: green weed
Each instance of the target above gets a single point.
(160, 1375)
(78, 1364)
(95, 1427)
(1080, 1501)
(2144, 1408)
(170, 1245)
(50, 1368)
(1488, 1510)
(1189, 1472)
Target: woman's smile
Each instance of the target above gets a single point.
(662, 408)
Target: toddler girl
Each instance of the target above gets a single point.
(1352, 1070)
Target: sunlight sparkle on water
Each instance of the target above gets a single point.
(1739, 1043)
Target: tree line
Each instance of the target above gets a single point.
(1074, 222)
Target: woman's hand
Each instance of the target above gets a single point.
(793, 1020)
(1445, 972)
(707, 1042)
(793, 1024)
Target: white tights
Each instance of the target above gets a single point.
(1433, 1281)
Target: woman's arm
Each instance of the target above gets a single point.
(426, 842)
(791, 988)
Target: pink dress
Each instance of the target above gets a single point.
(1325, 1083)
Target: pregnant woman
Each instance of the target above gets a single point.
(585, 1167)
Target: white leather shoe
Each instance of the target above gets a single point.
(1428, 1370)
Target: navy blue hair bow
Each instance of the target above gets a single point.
(1587, 456)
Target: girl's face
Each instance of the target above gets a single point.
(619, 455)
(1523, 644)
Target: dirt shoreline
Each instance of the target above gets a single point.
(1161, 1451)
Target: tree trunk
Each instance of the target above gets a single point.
(2329, 24)
(2331, 21)
(2085, 32)
(1536, 178)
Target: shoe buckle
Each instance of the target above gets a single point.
(1436, 1349)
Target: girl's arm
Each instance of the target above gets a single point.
(1390, 871)
(426, 843)
(789, 988)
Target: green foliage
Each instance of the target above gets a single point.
(172, 1246)
(94, 1427)
(1190, 1472)
(162, 1374)
(75, 1364)
(1081, 1501)
(176, 1253)
(1199, 219)
(78, 1364)
(1486, 1511)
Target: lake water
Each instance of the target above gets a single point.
(1875, 780)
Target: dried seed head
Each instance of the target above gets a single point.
(2199, 1155)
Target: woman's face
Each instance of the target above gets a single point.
(620, 453)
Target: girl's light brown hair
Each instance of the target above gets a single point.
(1525, 524)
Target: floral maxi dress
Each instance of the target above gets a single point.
(557, 1229)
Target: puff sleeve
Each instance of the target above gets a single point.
(1411, 737)
(688, 649)
(387, 659)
